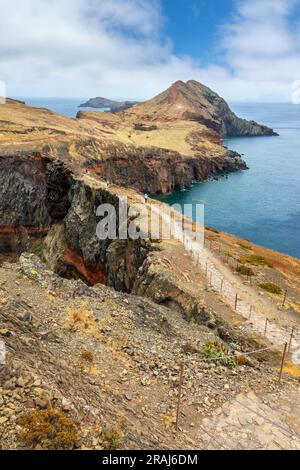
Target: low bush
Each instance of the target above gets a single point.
(256, 260)
(112, 439)
(50, 429)
(217, 352)
(271, 288)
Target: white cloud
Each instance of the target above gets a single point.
(114, 48)
(262, 47)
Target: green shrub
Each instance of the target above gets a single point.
(256, 260)
(113, 439)
(271, 288)
(217, 352)
(50, 429)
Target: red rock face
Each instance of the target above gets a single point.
(19, 237)
(23, 230)
(72, 265)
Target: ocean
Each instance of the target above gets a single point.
(261, 204)
(66, 106)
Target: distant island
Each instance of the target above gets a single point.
(110, 105)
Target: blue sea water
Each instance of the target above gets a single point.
(263, 203)
(66, 106)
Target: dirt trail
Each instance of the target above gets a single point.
(249, 300)
(250, 422)
(231, 288)
(251, 304)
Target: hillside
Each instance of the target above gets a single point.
(187, 118)
(193, 101)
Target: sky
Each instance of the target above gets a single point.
(246, 50)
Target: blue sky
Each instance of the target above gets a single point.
(194, 26)
(246, 50)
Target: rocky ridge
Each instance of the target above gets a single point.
(192, 101)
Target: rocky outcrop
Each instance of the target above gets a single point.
(73, 249)
(220, 117)
(33, 195)
(192, 101)
(111, 105)
(39, 198)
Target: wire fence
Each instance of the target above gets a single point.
(236, 265)
(229, 293)
(231, 296)
(230, 398)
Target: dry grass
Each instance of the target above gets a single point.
(49, 429)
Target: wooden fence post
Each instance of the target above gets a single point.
(291, 340)
(266, 326)
(284, 298)
(179, 395)
(236, 301)
(251, 308)
(282, 361)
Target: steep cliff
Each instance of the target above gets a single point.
(157, 161)
(40, 197)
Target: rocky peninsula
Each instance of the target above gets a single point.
(95, 330)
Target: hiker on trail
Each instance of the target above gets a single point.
(146, 198)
